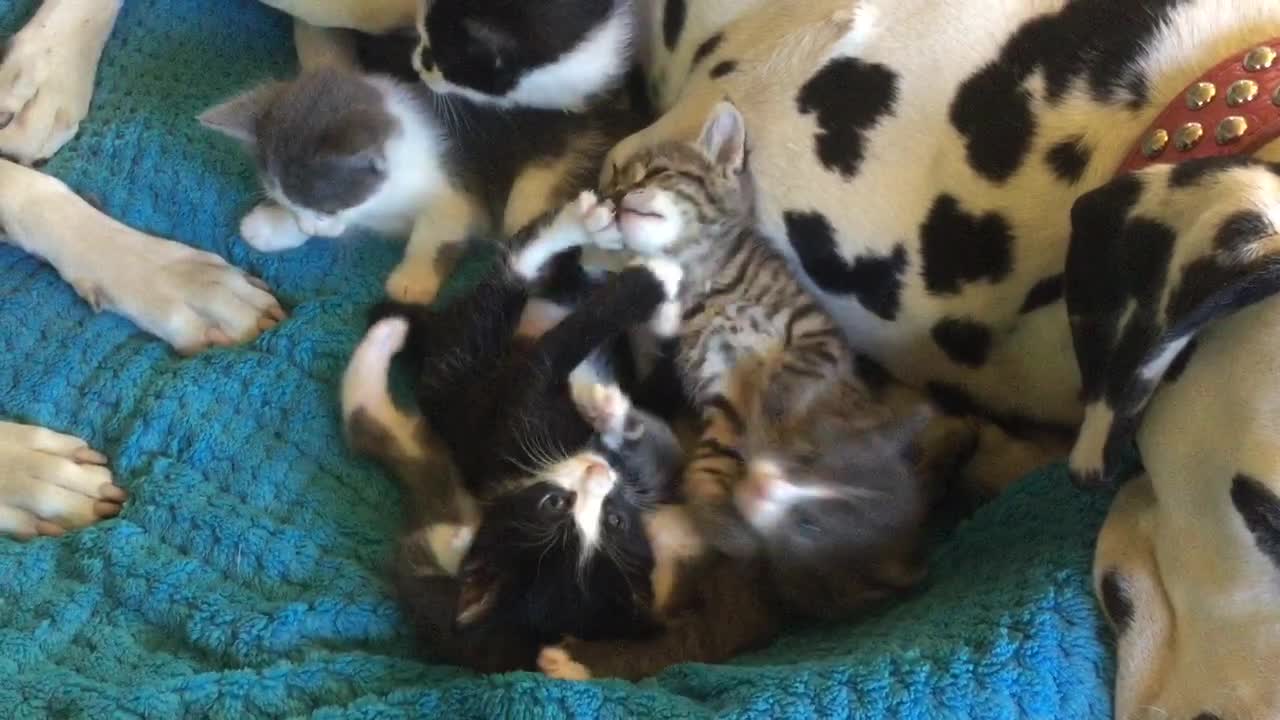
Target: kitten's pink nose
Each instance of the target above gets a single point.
(597, 478)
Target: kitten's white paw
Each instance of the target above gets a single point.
(329, 227)
(555, 662)
(270, 228)
(51, 483)
(46, 83)
(665, 322)
(413, 281)
(668, 272)
(449, 543)
(604, 406)
(598, 218)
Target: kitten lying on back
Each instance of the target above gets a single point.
(338, 149)
(796, 461)
(560, 546)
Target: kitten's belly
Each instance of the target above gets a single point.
(723, 338)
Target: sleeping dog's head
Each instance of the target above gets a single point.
(553, 54)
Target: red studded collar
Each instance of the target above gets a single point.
(1234, 108)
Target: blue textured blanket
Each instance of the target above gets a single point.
(247, 576)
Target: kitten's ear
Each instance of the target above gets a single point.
(478, 594)
(724, 137)
(238, 117)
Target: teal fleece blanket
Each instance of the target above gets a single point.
(247, 577)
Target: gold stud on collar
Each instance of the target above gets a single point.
(1259, 58)
(1188, 136)
(1200, 94)
(1275, 99)
(1155, 143)
(1241, 92)
(1231, 129)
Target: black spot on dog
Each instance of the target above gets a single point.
(1206, 716)
(1068, 159)
(871, 373)
(1193, 172)
(1097, 40)
(1094, 292)
(875, 280)
(1044, 293)
(1144, 253)
(707, 47)
(1180, 363)
(951, 399)
(673, 22)
(849, 97)
(964, 341)
(1116, 602)
(1242, 229)
(723, 68)
(1260, 509)
(961, 248)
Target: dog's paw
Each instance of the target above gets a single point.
(414, 281)
(51, 483)
(46, 82)
(667, 271)
(271, 228)
(604, 406)
(555, 662)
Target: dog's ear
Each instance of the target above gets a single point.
(238, 117)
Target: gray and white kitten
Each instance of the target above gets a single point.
(339, 149)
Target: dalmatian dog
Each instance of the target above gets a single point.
(1048, 213)
(51, 482)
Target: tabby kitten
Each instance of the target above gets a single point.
(797, 464)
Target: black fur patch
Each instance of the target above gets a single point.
(849, 97)
(708, 46)
(1046, 292)
(1193, 172)
(960, 248)
(673, 22)
(964, 341)
(1098, 40)
(1242, 228)
(875, 280)
(1068, 159)
(871, 373)
(1116, 602)
(1206, 716)
(1260, 510)
(723, 68)
(1180, 363)
(1093, 295)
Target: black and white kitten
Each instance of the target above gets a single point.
(560, 547)
(550, 54)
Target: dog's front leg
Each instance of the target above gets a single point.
(46, 79)
(189, 298)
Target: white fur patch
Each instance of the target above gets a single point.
(590, 478)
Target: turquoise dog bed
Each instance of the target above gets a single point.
(247, 576)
